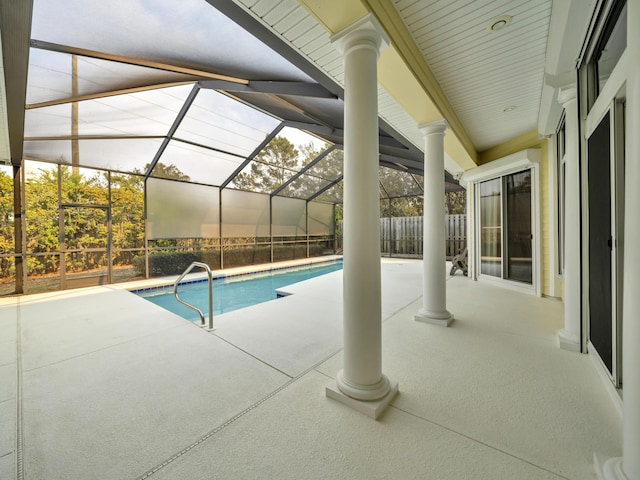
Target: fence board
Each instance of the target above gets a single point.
(403, 235)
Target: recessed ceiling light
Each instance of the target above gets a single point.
(510, 108)
(498, 23)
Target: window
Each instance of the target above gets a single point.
(613, 45)
(609, 42)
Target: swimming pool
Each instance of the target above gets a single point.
(233, 292)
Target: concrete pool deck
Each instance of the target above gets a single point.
(99, 383)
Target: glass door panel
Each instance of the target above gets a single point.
(491, 228)
(519, 258)
(600, 242)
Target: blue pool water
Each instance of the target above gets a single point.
(232, 293)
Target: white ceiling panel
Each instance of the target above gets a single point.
(483, 72)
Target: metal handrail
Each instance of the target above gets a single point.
(192, 307)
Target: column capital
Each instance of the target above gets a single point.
(439, 126)
(365, 32)
(567, 94)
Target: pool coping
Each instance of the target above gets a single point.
(151, 284)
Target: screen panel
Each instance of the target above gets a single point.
(320, 218)
(54, 121)
(245, 214)
(189, 33)
(198, 164)
(121, 154)
(217, 121)
(48, 150)
(304, 187)
(396, 183)
(288, 217)
(181, 210)
(151, 112)
(330, 167)
(51, 75)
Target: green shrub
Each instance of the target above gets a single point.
(174, 263)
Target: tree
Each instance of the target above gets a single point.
(6, 224)
(456, 202)
(162, 170)
(273, 166)
(127, 211)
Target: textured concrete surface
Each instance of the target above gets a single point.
(115, 387)
(8, 387)
(301, 434)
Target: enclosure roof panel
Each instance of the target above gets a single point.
(191, 90)
(52, 75)
(218, 121)
(188, 33)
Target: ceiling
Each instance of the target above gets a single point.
(444, 62)
(488, 84)
(493, 79)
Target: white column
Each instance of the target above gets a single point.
(434, 292)
(361, 383)
(569, 336)
(627, 467)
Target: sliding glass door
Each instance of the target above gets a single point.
(506, 227)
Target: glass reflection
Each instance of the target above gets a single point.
(491, 228)
(518, 226)
(613, 49)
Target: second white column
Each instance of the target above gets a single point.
(434, 293)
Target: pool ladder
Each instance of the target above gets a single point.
(208, 326)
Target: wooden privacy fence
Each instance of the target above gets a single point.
(402, 236)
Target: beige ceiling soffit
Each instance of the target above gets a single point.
(111, 93)
(334, 15)
(527, 140)
(456, 150)
(389, 18)
(133, 61)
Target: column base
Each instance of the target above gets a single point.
(608, 468)
(568, 341)
(371, 408)
(444, 319)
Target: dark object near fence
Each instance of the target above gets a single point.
(459, 262)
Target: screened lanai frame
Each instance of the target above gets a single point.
(93, 99)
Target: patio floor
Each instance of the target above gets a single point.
(99, 383)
